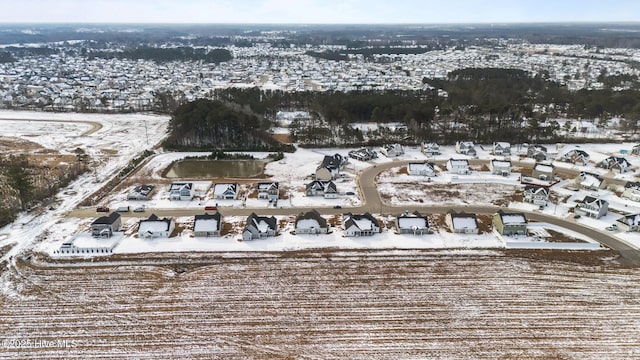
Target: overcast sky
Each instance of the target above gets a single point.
(318, 11)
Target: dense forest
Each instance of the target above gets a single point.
(210, 125)
(6, 57)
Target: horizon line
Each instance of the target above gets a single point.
(568, 22)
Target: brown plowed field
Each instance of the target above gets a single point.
(326, 305)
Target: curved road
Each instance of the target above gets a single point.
(373, 203)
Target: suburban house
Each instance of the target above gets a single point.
(545, 172)
(105, 226)
(615, 164)
(591, 181)
(509, 223)
(259, 226)
(360, 225)
(537, 152)
(629, 222)
(466, 148)
(576, 156)
(140, 192)
(500, 167)
(330, 167)
(84, 243)
(311, 223)
(462, 223)
(392, 150)
(181, 191)
(501, 149)
(458, 166)
(414, 223)
(207, 225)
(592, 207)
(268, 190)
(537, 195)
(635, 150)
(430, 149)
(363, 154)
(225, 191)
(154, 227)
(421, 169)
(631, 191)
(327, 189)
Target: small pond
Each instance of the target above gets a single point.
(215, 168)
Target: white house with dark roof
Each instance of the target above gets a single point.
(311, 222)
(181, 191)
(430, 148)
(545, 172)
(537, 152)
(258, 227)
(206, 225)
(590, 181)
(500, 167)
(462, 223)
(629, 222)
(576, 156)
(326, 189)
(501, 149)
(592, 207)
(225, 191)
(631, 191)
(414, 223)
(392, 150)
(360, 225)
(466, 148)
(421, 169)
(458, 166)
(615, 164)
(154, 227)
(268, 190)
(510, 223)
(537, 195)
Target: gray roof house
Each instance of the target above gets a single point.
(615, 164)
(545, 172)
(208, 225)
(225, 191)
(327, 189)
(500, 167)
(105, 226)
(414, 223)
(421, 169)
(629, 222)
(311, 223)
(576, 156)
(631, 191)
(537, 152)
(591, 181)
(501, 149)
(537, 195)
(360, 225)
(466, 148)
(259, 226)
(268, 190)
(140, 192)
(592, 207)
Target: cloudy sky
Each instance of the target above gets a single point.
(318, 11)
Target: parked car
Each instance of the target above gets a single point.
(139, 209)
(577, 216)
(102, 209)
(613, 227)
(123, 209)
(337, 207)
(210, 208)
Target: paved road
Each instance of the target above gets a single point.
(373, 203)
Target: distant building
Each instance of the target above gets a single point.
(537, 152)
(225, 191)
(105, 226)
(269, 191)
(466, 148)
(181, 191)
(591, 181)
(141, 192)
(501, 149)
(545, 172)
(500, 167)
(326, 189)
(392, 150)
(615, 164)
(430, 149)
(632, 191)
(536, 195)
(629, 222)
(577, 157)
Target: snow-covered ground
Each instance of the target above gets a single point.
(113, 140)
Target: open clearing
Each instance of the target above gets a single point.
(324, 305)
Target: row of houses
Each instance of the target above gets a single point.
(185, 191)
